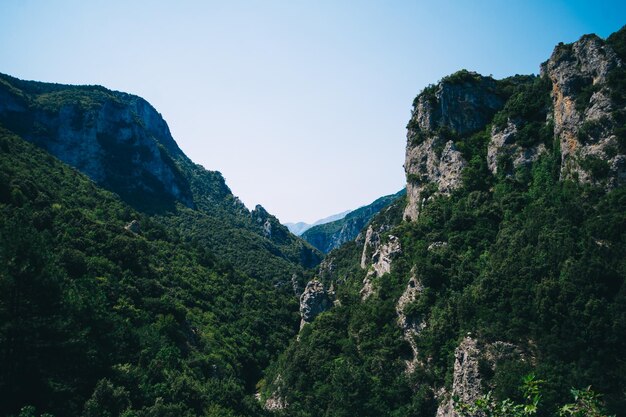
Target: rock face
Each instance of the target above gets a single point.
(133, 227)
(410, 325)
(459, 105)
(381, 264)
(123, 144)
(467, 384)
(118, 140)
(269, 226)
(502, 143)
(584, 113)
(276, 400)
(313, 301)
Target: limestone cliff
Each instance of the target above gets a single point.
(578, 101)
(118, 140)
(471, 359)
(313, 301)
(458, 105)
(124, 145)
(585, 111)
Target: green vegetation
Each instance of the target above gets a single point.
(586, 403)
(328, 236)
(195, 313)
(202, 208)
(487, 406)
(97, 320)
(527, 108)
(462, 77)
(539, 263)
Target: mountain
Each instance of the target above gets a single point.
(105, 310)
(123, 144)
(330, 235)
(504, 265)
(301, 227)
(132, 280)
(134, 283)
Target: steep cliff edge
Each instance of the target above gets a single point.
(458, 105)
(124, 145)
(588, 110)
(119, 140)
(578, 100)
(510, 262)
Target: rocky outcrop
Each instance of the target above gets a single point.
(459, 105)
(133, 227)
(119, 140)
(584, 111)
(467, 383)
(381, 264)
(410, 324)
(502, 145)
(370, 245)
(276, 401)
(313, 301)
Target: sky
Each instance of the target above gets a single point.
(301, 105)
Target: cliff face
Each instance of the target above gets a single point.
(124, 145)
(458, 105)
(585, 113)
(508, 274)
(120, 141)
(577, 101)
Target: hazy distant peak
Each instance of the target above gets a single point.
(301, 227)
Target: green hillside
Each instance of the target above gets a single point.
(505, 259)
(96, 319)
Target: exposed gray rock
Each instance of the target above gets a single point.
(437, 245)
(384, 255)
(411, 326)
(101, 132)
(276, 400)
(426, 169)
(133, 227)
(502, 144)
(313, 301)
(370, 245)
(381, 264)
(585, 133)
(458, 104)
(295, 285)
(466, 384)
(467, 381)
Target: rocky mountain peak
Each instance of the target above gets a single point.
(459, 104)
(586, 112)
(462, 102)
(578, 100)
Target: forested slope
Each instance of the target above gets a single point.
(507, 257)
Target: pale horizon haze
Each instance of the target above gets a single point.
(301, 105)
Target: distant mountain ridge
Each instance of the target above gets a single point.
(330, 235)
(301, 227)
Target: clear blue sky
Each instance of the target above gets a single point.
(302, 105)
